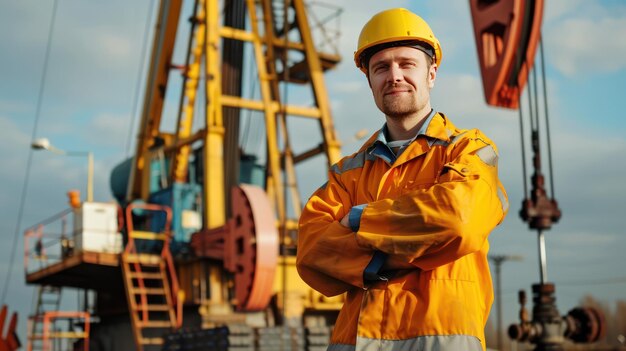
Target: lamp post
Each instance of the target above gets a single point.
(44, 144)
(497, 261)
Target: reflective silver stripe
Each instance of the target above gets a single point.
(434, 142)
(488, 155)
(503, 200)
(430, 343)
(457, 137)
(350, 163)
(340, 347)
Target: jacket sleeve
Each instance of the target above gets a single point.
(452, 218)
(329, 258)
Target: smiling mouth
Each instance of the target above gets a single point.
(396, 92)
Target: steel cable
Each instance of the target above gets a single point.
(140, 70)
(30, 155)
(545, 102)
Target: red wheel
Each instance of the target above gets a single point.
(251, 251)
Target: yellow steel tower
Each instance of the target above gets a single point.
(201, 248)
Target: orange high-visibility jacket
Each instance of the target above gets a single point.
(432, 207)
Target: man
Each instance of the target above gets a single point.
(401, 226)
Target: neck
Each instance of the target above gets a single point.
(402, 128)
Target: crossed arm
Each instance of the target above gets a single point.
(422, 229)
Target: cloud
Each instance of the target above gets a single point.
(11, 107)
(91, 57)
(583, 46)
(15, 145)
(584, 37)
(591, 238)
(15, 14)
(112, 129)
(347, 87)
(103, 48)
(555, 9)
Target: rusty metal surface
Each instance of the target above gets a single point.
(254, 242)
(548, 330)
(506, 33)
(78, 271)
(585, 324)
(539, 211)
(209, 242)
(248, 245)
(8, 340)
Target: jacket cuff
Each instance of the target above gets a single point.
(370, 274)
(354, 217)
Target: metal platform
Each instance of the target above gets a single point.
(84, 270)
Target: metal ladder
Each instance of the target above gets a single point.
(151, 283)
(48, 300)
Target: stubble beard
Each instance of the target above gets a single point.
(403, 107)
(399, 108)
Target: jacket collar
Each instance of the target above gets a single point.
(436, 129)
(439, 128)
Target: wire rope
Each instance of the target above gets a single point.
(140, 70)
(545, 101)
(537, 124)
(30, 155)
(521, 128)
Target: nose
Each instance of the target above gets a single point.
(394, 74)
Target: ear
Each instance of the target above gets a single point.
(432, 75)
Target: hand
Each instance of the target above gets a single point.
(345, 221)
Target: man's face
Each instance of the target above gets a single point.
(401, 79)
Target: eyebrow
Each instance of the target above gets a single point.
(396, 58)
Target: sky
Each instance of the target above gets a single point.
(92, 90)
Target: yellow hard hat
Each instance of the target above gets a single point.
(395, 25)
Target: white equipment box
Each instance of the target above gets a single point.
(96, 228)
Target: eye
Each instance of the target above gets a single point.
(380, 68)
(408, 64)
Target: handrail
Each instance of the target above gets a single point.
(46, 242)
(49, 318)
(165, 251)
(147, 207)
(52, 240)
(51, 218)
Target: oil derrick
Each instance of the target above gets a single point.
(507, 35)
(200, 163)
(204, 235)
(234, 243)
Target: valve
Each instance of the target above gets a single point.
(547, 329)
(584, 324)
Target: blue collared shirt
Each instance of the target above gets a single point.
(381, 149)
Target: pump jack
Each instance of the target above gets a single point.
(507, 33)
